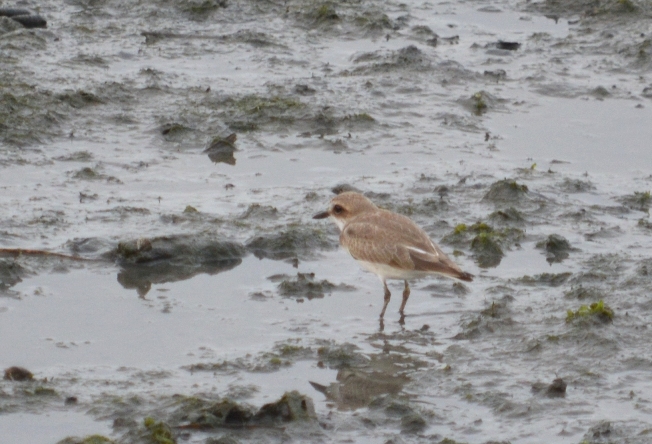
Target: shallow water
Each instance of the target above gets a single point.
(102, 144)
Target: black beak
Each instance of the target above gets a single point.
(322, 215)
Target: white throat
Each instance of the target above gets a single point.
(339, 222)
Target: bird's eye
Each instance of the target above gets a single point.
(337, 209)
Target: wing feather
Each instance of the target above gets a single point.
(391, 239)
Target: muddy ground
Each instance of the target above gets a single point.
(162, 279)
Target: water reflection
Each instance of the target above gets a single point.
(142, 276)
(221, 150)
(148, 261)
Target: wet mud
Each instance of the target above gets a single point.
(162, 279)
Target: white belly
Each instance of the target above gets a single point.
(384, 271)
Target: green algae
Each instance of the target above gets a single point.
(485, 242)
(292, 350)
(91, 439)
(325, 13)
(645, 223)
(627, 6)
(44, 391)
(479, 102)
(200, 9)
(79, 99)
(160, 432)
(373, 21)
(251, 112)
(597, 310)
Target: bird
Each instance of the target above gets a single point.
(388, 244)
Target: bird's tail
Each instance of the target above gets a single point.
(464, 276)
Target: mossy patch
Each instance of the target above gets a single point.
(284, 354)
(92, 439)
(160, 432)
(304, 285)
(77, 156)
(374, 21)
(479, 103)
(576, 186)
(199, 413)
(580, 292)
(597, 310)
(146, 261)
(508, 216)
(295, 241)
(557, 248)
(645, 224)
(486, 242)
(325, 13)
(348, 16)
(200, 9)
(259, 212)
(339, 356)
(547, 279)
(409, 58)
(28, 115)
(79, 99)
(640, 200)
(506, 190)
(175, 132)
(496, 316)
(487, 250)
(11, 273)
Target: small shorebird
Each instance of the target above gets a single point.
(388, 244)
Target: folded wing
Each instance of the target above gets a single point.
(395, 240)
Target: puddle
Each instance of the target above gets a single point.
(25, 428)
(601, 137)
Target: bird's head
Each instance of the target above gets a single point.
(346, 206)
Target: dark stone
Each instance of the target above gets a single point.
(31, 21)
(18, 374)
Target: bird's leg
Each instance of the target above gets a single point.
(387, 296)
(406, 295)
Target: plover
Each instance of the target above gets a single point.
(388, 244)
